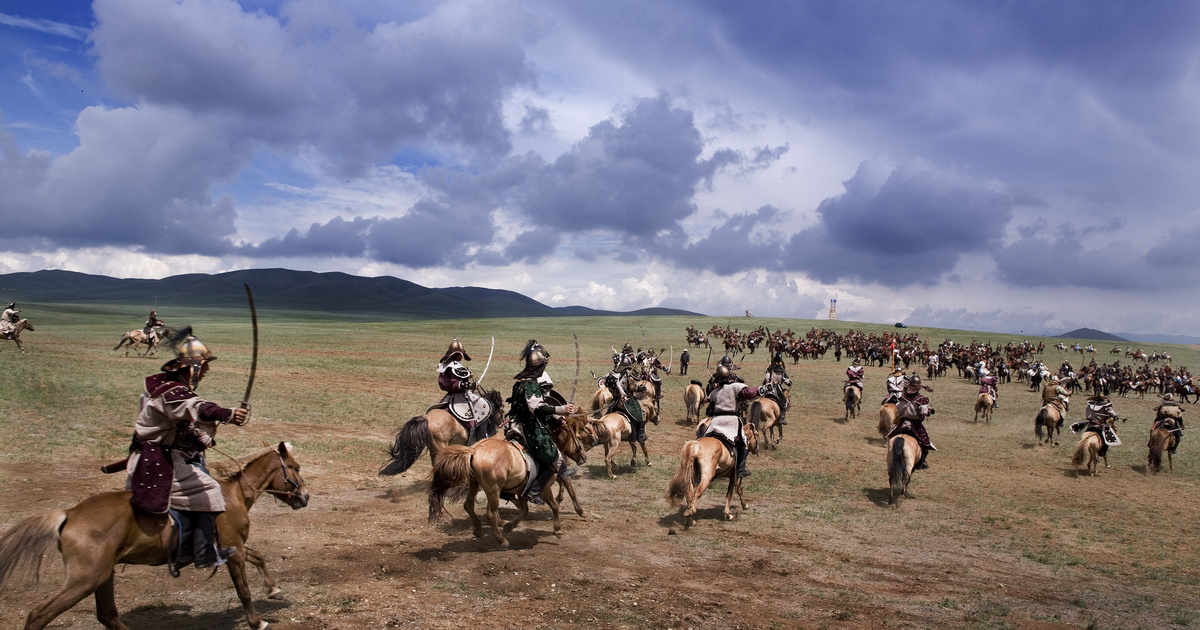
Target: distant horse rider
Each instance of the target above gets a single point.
(623, 387)
(174, 428)
(1169, 416)
(535, 418)
(152, 322)
(774, 381)
(726, 423)
(896, 383)
(914, 408)
(987, 385)
(1098, 418)
(650, 367)
(854, 377)
(9, 319)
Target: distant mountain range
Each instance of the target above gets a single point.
(1098, 335)
(381, 297)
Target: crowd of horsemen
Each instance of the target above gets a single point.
(175, 426)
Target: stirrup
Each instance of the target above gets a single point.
(222, 556)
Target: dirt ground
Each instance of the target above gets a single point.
(999, 533)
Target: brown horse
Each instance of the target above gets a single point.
(1088, 452)
(15, 335)
(609, 431)
(1045, 425)
(1161, 439)
(435, 430)
(903, 451)
(763, 415)
(134, 339)
(700, 462)
(105, 530)
(852, 396)
(888, 415)
(983, 403)
(693, 397)
(496, 465)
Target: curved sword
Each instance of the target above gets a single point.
(245, 404)
(574, 385)
(489, 363)
(670, 354)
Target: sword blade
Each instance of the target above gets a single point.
(254, 352)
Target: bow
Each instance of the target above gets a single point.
(245, 404)
(489, 362)
(670, 353)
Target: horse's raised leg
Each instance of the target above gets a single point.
(566, 483)
(609, 453)
(237, 573)
(106, 606)
(260, 563)
(548, 497)
(522, 511)
(80, 583)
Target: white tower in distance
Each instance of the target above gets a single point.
(833, 309)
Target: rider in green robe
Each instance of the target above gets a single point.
(532, 412)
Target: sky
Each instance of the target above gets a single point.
(1025, 166)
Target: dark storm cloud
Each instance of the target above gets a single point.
(432, 234)
(1062, 258)
(338, 237)
(910, 228)
(742, 242)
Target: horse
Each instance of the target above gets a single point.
(1088, 452)
(15, 335)
(133, 339)
(610, 430)
(984, 403)
(763, 415)
(1048, 418)
(852, 396)
(888, 415)
(903, 451)
(693, 397)
(700, 462)
(1161, 439)
(105, 530)
(496, 465)
(435, 430)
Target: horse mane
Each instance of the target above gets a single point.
(231, 469)
(497, 399)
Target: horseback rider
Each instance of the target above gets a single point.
(461, 399)
(896, 383)
(854, 376)
(726, 423)
(650, 366)
(174, 428)
(1098, 418)
(1169, 416)
(535, 418)
(624, 389)
(773, 383)
(1055, 394)
(152, 322)
(914, 408)
(9, 319)
(713, 382)
(987, 385)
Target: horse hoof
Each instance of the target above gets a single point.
(262, 625)
(729, 517)
(275, 593)
(648, 464)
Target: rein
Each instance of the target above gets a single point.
(257, 491)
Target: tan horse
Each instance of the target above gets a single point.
(983, 403)
(15, 335)
(888, 415)
(105, 530)
(134, 339)
(903, 451)
(435, 430)
(852, 397)
(601, 401)
(693, 397)
(1161, 439)
(700, 462)
(496, 465)
(763, 415)
(1045, 425)
(1088, 452)
(609, 431)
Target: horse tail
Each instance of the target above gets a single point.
(23, 546)
(681, 484)
(1041, 418)
(411, 440)
(885, 421)
(452, 468)
(897, 468)
(120, 343)
(756, 410)
(1081, 452)
(1154, 459)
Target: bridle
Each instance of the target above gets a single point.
(296, 484)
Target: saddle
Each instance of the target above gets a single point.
(1106, 432)
(466, 407)
(516, 437)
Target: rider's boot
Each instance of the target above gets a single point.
(921, 465)
(563, 468)
(534, 495)
(183, 546)
(208, 555)
(742, 451)
(1178, 438)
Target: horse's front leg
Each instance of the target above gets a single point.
(259, 562)
(645, 453)
(548, 497)
(609, 452)
(237, 572)
(566, 483)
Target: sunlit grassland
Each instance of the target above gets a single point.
(338, 389)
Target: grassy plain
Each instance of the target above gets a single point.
(1000, 532)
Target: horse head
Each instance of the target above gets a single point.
(287, 485)
(566, 437)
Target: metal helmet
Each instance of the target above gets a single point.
(856, 362)
(914, 383)
(726, 360)
(456, 352)
(723, 373)
(12, 305)
(190, 354)
(627, 348)
(1169, 397)
(536, 357)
